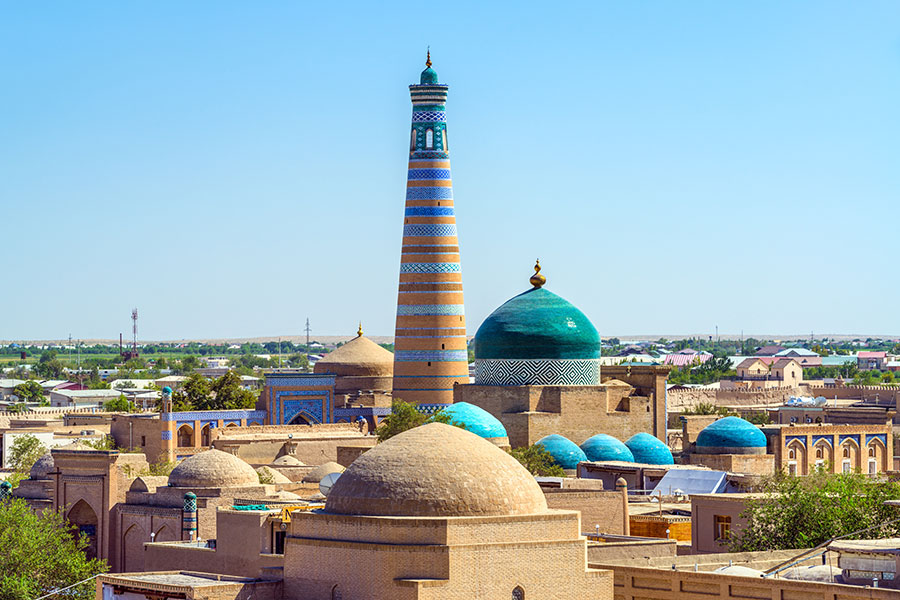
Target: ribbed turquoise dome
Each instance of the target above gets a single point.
(606, 447)
(475, 419)
(537, 324)
(563, 450)
(428, 77)
(649, 450)
(731, 435)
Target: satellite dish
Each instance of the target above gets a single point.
(327, 483)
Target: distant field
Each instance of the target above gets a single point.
(73, 359)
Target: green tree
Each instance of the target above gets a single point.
(404, 416)
(120, 404)
(194, 394)
(887, 377)
(30, 391)
(188, 364)
(228, 393)
(162, 363)
(24, 451)
(538, 461)
(802, 512)
(49, 366)
(40, 553)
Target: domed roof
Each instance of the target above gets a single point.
(287, 460)
(212, 468)
(316, 475)
(563, 450)
(648, 450)
(42, 467)
(436, 470)
(360, 356)
(537, 324)
(731, 435)
(606, 447)
(475, 419)
(271, 475)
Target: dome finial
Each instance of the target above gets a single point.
(359, 331)
(428, 57)
(537, 280)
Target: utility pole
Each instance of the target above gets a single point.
(307, 340)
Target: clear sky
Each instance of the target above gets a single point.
(231, 168)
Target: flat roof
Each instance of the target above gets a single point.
(178, 578)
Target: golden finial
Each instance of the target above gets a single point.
(359, 331)
(537, 280)
(428, 58)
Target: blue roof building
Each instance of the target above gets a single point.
(649, 450)
(731, 435)
(563, 450)
(606, 447)
(475, 419)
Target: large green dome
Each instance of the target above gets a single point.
(537, 324)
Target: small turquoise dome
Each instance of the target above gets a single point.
(475, 419)
(731, 435)
(649, 450)
(428, 77)
(563, 450)
(167, 390)
(537, 324)
(606, 447)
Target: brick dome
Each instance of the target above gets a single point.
(436, 470)
(42, 467)
(360, 357)
(212, 468)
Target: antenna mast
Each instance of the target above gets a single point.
(307, 339)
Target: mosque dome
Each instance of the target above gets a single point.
(212, 468)
(359, 357)
(537, 338)
(731, 435)
(648, 450)
(271, 475)
(475, 419)
(606, 447)
(563, 450)
(287, 461)
(436, 470)
(316, 475)
(42, 467)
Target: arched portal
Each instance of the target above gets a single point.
(185, 436)
(204, 435)
(133, 548)
(82, 516)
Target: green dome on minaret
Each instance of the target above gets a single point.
(429, 75)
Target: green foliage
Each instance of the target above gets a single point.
(265, 477)
(538, 461)
(714, 369)
(847, 371)
(706, 408)
(224, 393)
(105, 443)
(161, 469)
(42, 552)
(872, 377)
(404, 416)
(758, 418)
(30, 391)
(120, 404)
(162, 363)
(49, 366)
(802, 512)
(24, 451)
(887, 377)
(187, 365)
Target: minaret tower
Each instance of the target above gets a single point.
(430, 353)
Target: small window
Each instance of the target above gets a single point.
(429, 363)
(723, 527)
(446, 143)
(819, 452)
(792, 453)
(518, 593)
(412, 141)
(872, 451)
(143, 440)
(442, 347)
(429, 139)
(846, 452)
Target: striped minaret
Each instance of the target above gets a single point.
(430, 340)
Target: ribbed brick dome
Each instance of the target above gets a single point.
(436, 470)
(212, 468)
(360, 356)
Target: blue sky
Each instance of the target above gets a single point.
(232, 168)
